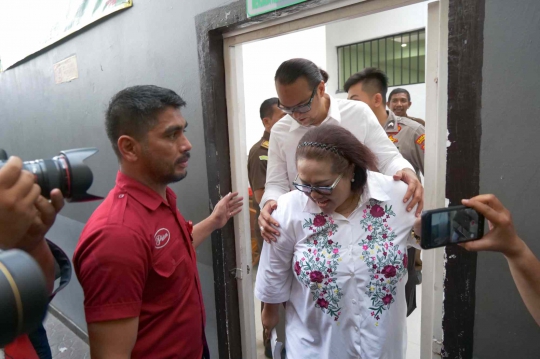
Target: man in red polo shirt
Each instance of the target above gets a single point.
(136, 256)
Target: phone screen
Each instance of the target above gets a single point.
(446, 226)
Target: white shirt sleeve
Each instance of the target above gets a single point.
(277, 179)
(388, 157)
(274, 276)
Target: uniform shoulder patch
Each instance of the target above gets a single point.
(393, 139)
(263, 158)
(265, 144)
(420, 140)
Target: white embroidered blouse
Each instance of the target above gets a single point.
(343, 278)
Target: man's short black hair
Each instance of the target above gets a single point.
(267, 107)
(399, 90)
(133, 111)
(373, 81)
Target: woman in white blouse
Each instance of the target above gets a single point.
(340, 264)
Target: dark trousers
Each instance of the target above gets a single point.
(410, 286)
(206, 352)
(39, 341)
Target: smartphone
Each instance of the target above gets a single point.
(444, 226)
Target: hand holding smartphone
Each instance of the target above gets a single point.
(453, 225)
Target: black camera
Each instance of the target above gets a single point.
(66, 172)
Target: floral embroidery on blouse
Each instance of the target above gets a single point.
(386, 262)
(317, 267)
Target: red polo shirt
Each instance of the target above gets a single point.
(135, 258)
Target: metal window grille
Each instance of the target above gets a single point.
(402, 57)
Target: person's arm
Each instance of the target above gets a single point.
(389, 160)
(277, 184)
(257, 167)
(419, 142)
(258, 194)
(391, 163)
(113, 339)
(228, 207)
(274, 275)
(112, 264)
(502, 237)
(34, 243)
(277, 179)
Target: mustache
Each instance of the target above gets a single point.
(184, 158)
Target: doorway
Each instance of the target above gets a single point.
(236, 143)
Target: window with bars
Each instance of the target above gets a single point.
(401, 57)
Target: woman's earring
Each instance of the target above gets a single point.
(352, 179)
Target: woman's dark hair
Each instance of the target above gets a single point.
(339, 147)
(291, 70)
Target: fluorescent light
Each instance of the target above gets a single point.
(403, 45)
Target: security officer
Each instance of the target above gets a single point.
(399, 101)
(258, 156)
(370, 86)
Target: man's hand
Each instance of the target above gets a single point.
(18, 192)
(267, 224)
(43, 221)
(415, 189)
(228, 207)
(502, 236)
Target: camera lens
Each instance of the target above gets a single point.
(23, 295)
(67, 172)
(50, 174)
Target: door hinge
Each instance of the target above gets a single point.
(236, 273)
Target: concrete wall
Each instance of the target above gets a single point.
(371, 27)
(509, 169)
(261, 60)
(152, 43)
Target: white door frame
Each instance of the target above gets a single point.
(431, 334)
(234, 80)
(435, 160)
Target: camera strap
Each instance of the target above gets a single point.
(64, 269)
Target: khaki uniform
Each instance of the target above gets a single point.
(410, 138)
(257, 163)
(419, 120)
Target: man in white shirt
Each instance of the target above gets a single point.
(300, 85)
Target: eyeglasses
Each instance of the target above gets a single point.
(300, 108)
(325, 190)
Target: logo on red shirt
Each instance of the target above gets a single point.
(162, 237)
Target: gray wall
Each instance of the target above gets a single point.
(152, 43)
(510, 168)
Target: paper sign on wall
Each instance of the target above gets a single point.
(66, 70)
(258, 7)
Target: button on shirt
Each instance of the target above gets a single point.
(355, 116)
(135, 259)
(343, 278)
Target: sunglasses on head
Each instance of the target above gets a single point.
(324, 190)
